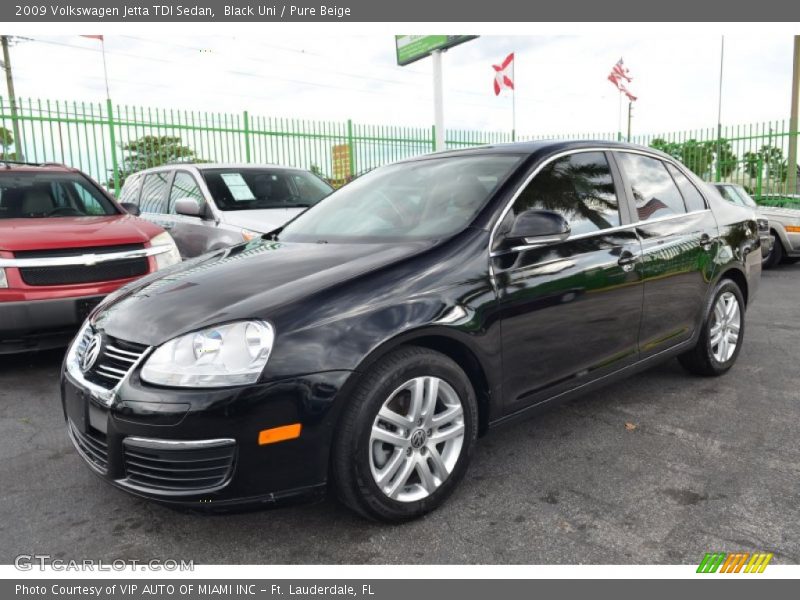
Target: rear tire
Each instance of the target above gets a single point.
(722, 333)
(406, 436)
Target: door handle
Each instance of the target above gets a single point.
(627, 260)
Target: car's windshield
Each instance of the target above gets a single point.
(30, 195)
(426, 199)
(257, 188)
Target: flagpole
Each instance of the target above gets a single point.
(105, 69)
(619, 117)
(514, 100)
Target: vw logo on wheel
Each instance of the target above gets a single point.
(418, 438)
(91, 353)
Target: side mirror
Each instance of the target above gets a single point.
(130, 208)
(538, 227)
(188, 207)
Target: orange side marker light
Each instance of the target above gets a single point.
(279, 434)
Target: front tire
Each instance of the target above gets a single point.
(722, 334)
(406, 436)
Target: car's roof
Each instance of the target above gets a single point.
(16, 166)
(541, 147)
(220, 165)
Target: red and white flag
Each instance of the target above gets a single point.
(504, 75)
(94, 37)
(619, 76)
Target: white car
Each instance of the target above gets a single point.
(208, 206)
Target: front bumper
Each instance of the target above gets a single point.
(199, 448)
(42, 324)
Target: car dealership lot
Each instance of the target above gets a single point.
(704, 464)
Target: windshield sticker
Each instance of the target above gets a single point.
(238, 187)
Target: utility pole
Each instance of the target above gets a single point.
(791, 179)
(719, 110)
(12, 98)
(438, 101)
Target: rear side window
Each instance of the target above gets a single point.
(130, 191)
(693, 199)
(154, 193)
(579, 187)
(185, 186)
(654, 190)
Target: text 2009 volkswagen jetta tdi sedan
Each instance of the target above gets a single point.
(369, 342)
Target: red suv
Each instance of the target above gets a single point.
(65, 243)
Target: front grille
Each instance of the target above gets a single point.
(63, 275)
(178, 467)
(116, 359)
(61, 252)
(92, 446)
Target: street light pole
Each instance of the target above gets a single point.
(12, 98)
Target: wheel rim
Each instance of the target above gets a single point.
(416, 439)
(726, 322)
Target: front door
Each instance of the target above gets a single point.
(570, 310)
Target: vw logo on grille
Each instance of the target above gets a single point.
(92, 352)
(418, 438)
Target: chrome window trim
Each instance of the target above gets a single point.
(562, 154)
(87, 260)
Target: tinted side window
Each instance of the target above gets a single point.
(185, 186)
(154, 193)
(693, 199)
(579, 187)
(654, 191)
(130, 191)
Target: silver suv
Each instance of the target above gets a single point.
(208, 206)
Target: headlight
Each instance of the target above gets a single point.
(249, 234)
(169, 257)
(231, 354)
(3, 280)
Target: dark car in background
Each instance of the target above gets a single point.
(64, 245)
(208, 206)
(366, 345)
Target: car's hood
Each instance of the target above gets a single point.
(245, 281)
(777, 213)
(263, 220)
(17, 235)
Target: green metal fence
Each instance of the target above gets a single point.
(110, 141)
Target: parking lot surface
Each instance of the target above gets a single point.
(659, 468)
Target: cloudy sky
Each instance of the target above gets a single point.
(561, 80)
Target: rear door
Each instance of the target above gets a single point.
(570, 310)
(679, 241)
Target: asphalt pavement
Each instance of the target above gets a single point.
(660, 468)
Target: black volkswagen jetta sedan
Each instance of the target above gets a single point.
(368, 343)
